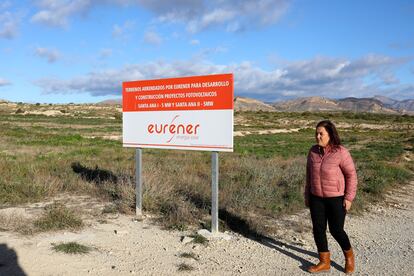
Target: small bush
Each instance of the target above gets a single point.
(177, 214)
(110, 209)
(118, 116)
(58, 217)
(71, 248)
(190, 255)
(185, 267)
(199, 239)
(19, 111)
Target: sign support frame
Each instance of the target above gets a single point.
(138, 183)
(214, 191)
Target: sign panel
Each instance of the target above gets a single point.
(193, 113)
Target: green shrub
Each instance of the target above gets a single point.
(58, 217)
(71, 248)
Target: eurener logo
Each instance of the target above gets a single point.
(173, 129)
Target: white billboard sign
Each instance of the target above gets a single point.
(190, 113)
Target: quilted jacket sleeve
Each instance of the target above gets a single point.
(351, 179)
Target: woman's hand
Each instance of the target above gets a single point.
(347, 204)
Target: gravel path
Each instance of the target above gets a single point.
(383, 241)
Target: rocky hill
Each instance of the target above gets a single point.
(364, 105)
(247, 104)
(404, 106)
(307, 104)
(401, 106)
(378, 104)
(111, 102)
(385, 100)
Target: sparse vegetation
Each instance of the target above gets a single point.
(189, 255)
(42, 156)
(71, 248)
(16, 223)
(109, 209)
(58, 217)
(185, 267)
(19, 111)
(197, 238)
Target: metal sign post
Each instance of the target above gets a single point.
(138, 184)
(214, 192)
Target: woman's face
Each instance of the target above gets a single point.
(322, 137)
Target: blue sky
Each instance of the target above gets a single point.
(60, 51)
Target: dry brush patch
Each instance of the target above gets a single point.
(16, 222)
(58, 217)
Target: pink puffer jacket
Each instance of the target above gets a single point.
(331, 174)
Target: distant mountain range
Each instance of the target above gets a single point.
(111, 102)
(377, 104)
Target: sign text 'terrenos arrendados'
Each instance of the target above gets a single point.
(191, 93)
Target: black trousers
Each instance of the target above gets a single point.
(328, 210)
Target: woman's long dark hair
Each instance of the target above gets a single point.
(334, 139)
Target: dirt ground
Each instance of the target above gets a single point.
(382, 239)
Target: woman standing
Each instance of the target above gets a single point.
(331, 184)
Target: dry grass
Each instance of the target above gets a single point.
(189, 255)
(197, 238)
(183, 267)
(17, 223)
(58, 217)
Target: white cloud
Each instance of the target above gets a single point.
(175, 10)
(109, 82)
(329, 77)
(105, 53)
(4, 82)
(9, 24)
(195, 42)
(5, 5)
(151, 37)
(234, 15)
(121, 31)
(117, 31)
(56, 13)
(52, 55)
(215, 17)
(197, 15)
(206, 52)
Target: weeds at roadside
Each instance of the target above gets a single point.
(16, 223)
(197, 238)
(71, 248)
(58, 217)
(189, 255)
(185, 267)
(110, 209)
